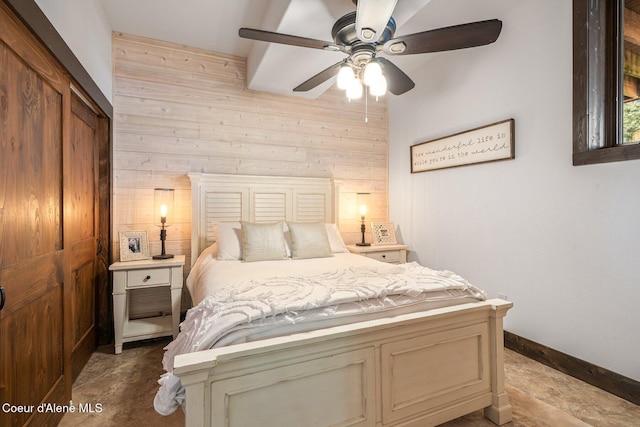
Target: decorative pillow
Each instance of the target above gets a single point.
(287, 239)
(229, 238)
(263, 241)
(335, 239)
(309, 240)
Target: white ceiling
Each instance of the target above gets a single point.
(213, 25)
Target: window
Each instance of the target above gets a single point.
(631, 73)
(603, 77)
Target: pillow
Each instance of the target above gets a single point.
(229, 238)
(210, 251)
(263, 241)
(335, 239)
(309, 240)
(287, 240)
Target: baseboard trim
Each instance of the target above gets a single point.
(604, 379)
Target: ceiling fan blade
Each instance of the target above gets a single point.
(269, 36)
(372, 17)
(319, 78)
(449, 38)
(397, 81)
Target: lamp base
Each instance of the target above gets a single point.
(165, 256)
(363, 244)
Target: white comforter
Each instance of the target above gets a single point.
(289, 296)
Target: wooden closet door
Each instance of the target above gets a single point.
(80, 235)
(32, 94)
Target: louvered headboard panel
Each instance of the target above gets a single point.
(232, 198)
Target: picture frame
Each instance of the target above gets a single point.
(384, 233)
(488, 143)
(134, 245)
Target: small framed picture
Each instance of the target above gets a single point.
(383, 233)
(134, 245)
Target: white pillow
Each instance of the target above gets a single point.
(263, 241)
(287, 240)
(229, 238)
(309, 240)
(210, 251)
(335, 239)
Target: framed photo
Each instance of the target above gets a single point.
(480, 145)
(383, 233)
(134, 245)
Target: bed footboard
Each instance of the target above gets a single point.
(415, 369)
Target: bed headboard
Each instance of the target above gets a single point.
(218, 197)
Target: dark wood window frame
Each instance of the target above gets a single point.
(597, 80)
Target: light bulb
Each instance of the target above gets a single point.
(363, 210)
(379, 87)
(354, 91)
(372, 72)
(163, 211)
(345, 77)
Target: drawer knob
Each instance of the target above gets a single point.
(146, 279)
(384, 256)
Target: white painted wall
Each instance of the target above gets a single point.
(84, 27)
(562, 242)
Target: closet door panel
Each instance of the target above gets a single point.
(80, 223)
(31, 257)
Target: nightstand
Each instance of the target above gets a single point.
(393, 254)
(141, 275)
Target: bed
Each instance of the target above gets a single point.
(428, 352)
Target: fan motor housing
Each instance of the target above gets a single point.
(362, 53)
(344, 31)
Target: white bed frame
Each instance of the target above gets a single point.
(417, 369)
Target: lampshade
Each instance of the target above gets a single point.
(354, 90)
(163, 206)
(345, 76)
(372, 73)
(379, 86)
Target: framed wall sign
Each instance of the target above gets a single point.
(480, 145)
(134, 245)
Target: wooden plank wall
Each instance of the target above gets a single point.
(179, 109)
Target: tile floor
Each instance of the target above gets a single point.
(540, 396)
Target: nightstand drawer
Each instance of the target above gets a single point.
(385, 256)
(393, 254)
(150, 277)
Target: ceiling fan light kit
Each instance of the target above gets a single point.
(369, 31)
(353, 79)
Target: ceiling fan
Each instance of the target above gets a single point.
(369, 30)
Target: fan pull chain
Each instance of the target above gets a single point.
(366, 104)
